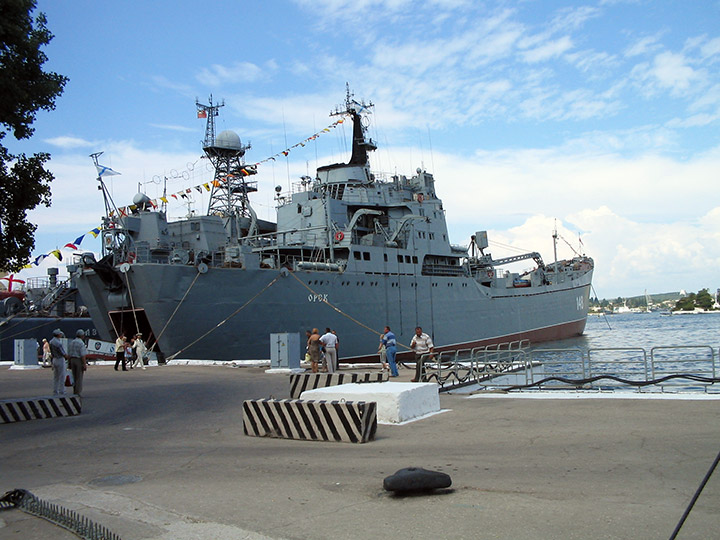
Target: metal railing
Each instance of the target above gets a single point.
(515, 365)
(465, 367)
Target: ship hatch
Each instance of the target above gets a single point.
(131, 322)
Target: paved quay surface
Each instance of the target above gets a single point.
(160, 454)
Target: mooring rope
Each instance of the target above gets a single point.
(340, 311)
(174, 312)
(630, 382)
(695, 497)
(226, 319)
(132, 303)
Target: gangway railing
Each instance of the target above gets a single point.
(463, 367)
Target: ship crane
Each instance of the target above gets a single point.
(515, 258)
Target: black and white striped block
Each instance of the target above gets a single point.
(18, 410)
(345, 421)
(299, 382)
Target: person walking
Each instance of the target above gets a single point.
(59, 356)
(330, 342)
(120, 352)
(46, 354)
(77, 353)
(390, 343)
(424, 348)
(140, 352)
(313, 347)
(128, 351)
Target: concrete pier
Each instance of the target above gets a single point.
(160, 454)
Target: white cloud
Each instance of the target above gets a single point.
(68, 142)
(239, 72)
(174, 127)
(672, 71)
(643, 46)
(711, 48)
(547, 50)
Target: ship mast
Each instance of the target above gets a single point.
(360, 145)
(230, 187)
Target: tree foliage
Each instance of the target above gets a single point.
(24, 90)
(703, 300)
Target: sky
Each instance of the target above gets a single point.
(597, 118)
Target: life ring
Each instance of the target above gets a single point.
(420, 197)
(490, 272)
(131, 257)
(339, 236)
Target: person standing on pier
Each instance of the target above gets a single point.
(59, 356)
(120, 352)
(313, 347)
(78, 360)
(390, 343)
(382, 352)
(330, 342)
(423, 347)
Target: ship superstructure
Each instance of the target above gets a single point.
(352, 250)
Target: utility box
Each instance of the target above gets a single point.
(26, 354)
(285, 351)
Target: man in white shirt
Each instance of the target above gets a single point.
(423, 346)
(330, 342)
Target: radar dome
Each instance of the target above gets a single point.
(228, 140)
(140, 199)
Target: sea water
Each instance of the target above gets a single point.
(647, 330)
(639, 347)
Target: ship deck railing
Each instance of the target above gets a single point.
(142, 253)
(682, 368)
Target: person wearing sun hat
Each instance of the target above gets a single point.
(59, 356)
(77, 351)
(140, 349)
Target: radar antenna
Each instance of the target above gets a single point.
(360, 145)
(230, 187)
(209, 112)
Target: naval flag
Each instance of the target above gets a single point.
(105, 171)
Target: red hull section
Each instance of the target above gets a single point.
(552, 333)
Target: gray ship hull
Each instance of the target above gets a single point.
(229, 313)
(351, 249)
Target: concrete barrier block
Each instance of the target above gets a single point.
(354, 422)
(300, 382)
(18, 410)
(396, 401)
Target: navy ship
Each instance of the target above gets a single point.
(39, 307)
(352, 249)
